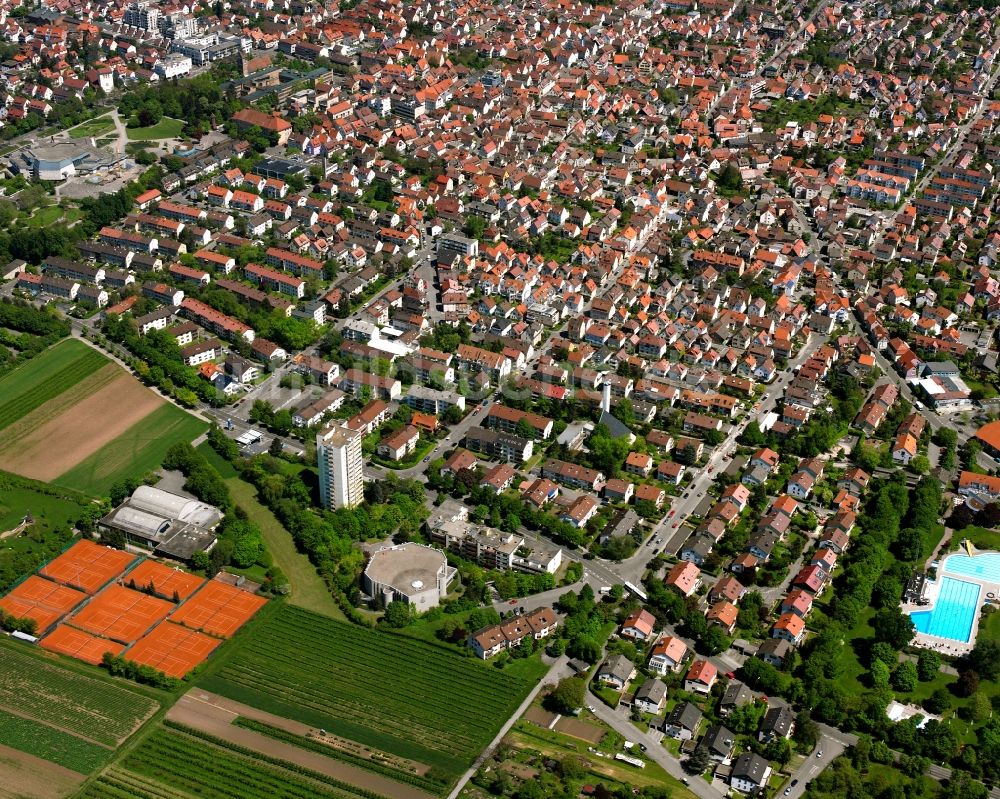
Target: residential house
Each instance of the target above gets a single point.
(700, 677)
(667, 655)
(638, 625)
(789, 627)
(750, 773)
(651, 696)
(616, 672)
(684, 577)
(683, 721)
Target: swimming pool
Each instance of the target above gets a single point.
(984, 566)
(954, 612)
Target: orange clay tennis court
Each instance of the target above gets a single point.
(172, 649)
(42, 600)
(164, 580)
(121, 614)
(218, 609)
(87, 566)
(80, 645)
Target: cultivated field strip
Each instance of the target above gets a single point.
(49, 743)
(88, 364)
(41, 370)
(56, 696)
(117, 783)
(380, 707)
(174, 764)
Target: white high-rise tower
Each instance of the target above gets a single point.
(341, 477)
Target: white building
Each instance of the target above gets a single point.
(341, 480)
(141, 15)
(173, 65)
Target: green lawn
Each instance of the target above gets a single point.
(981, 537)
(529, 737)
(855, 643)
(166, 128)
(424, 446)
(308, 589)
(93, 128)
(222, 466)
(136, 452)
(19, 495)
(44, 217)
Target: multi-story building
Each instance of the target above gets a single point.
(341, 480)
(143, 16)
(497, 444)
(492, 548)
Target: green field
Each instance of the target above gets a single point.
(64, 699)
(177, 762)
(166, 128)
(92, 128)
(136, 452)
(392, 693)
(45, 377)
(51, 744)
(308, 589)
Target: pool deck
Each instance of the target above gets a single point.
(989, 591)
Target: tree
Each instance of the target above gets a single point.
(985, 659)
(524, 429)
(938, 702)
(920, 464)
(697, 762)
(569, 695)
(730, 178)
(397, 614)
(474, 226)
(806, 731)
(968, 683)
(904, 677)
(928, 663)
(893, 627)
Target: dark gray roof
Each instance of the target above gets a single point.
(736, 694)
(779, 721)
(617, 666)
(686, 716)
(719, 740)
(750, 766)
(652, 691)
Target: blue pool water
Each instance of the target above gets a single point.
(953, 613)
(985, 566)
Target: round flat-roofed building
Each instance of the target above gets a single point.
(413, 573)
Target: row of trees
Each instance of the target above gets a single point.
(118, 666)
(158, 362)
